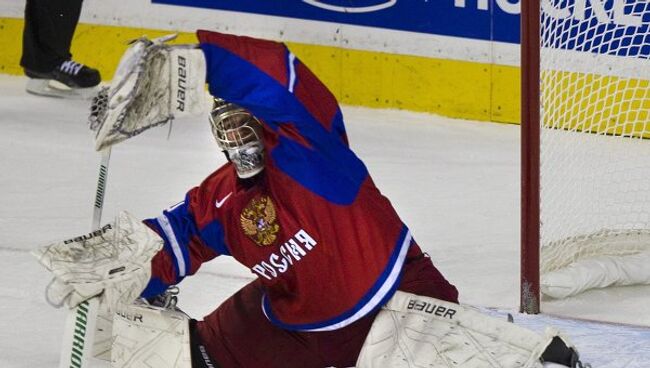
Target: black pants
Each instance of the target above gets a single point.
(49, 27)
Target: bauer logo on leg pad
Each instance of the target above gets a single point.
(132, 317)
(449, 335)
(430, 308)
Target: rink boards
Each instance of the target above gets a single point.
(456, 58)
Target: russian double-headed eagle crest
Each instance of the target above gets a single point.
(258, 221)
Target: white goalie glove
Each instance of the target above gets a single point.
(155, 82)
(114, 262)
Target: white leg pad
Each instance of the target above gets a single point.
(150, 337)
(417, 331)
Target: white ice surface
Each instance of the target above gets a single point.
(455, 183)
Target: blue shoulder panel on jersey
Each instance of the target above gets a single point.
(328, 168)
(337, 124)
(213, 235)
(237, 80)
(337, 176)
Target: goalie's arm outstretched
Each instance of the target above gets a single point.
(128, 258)
(304, 134)
(185, 248)
(266, 78)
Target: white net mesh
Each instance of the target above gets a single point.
(595, 129)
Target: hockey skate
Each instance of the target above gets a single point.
(68, 80)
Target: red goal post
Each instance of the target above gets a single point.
(530, 126)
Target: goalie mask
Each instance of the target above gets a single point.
(239, 135)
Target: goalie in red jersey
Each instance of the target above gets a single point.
(341, 280)
(298, 208)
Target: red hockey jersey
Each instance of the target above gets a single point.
(328, 246)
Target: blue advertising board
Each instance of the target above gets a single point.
(458, 18)
(622, 26)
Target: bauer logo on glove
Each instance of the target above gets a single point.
(89, 235)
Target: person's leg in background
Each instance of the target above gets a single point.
(47, 37)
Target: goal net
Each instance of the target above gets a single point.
(594, 144)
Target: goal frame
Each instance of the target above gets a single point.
(530, 157)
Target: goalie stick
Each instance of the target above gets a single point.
(80, 325)
(101, 189)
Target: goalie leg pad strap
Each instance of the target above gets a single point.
(413, 330)
(146, 336)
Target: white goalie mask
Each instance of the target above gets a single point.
(239, 135)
